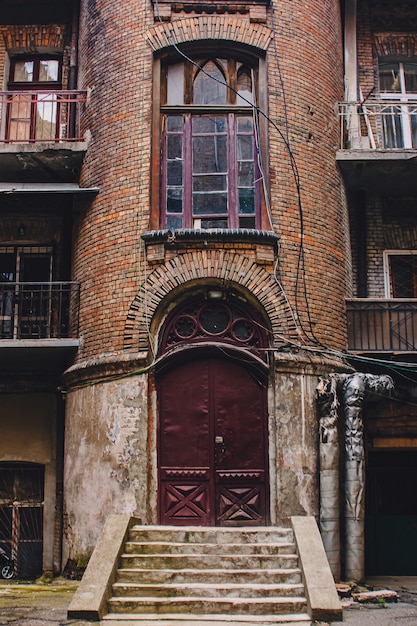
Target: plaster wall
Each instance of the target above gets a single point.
(35, 415)
(106, 461)
(110, 456)
(294, 437)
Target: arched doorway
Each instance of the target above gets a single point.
(212, 402)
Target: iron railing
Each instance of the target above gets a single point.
(378, 125)
(382, 325)
(39, 310)
(39, 116)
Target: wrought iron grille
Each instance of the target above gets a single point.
(39, 310)
(382, 325)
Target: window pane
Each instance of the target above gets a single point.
(403, 270)
(210, 223)
(210, 154)
(244, 86)
(23, 72)
(46, 112)
(245, 174)
(174, 123)
(389, 77)
(245, 124)
(209, 124)
(210, 86)
(174, 173)
(174, 146)
(214, 203)
(246, 201)
(410, 73)
(48, 71)
(245, 148)
(175, 84)
(174, 200)
(210, 183)
(20, 114)
(392, 127)
(247, 222)
(174, 223)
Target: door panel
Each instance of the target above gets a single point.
(212, 445)
(184, 457)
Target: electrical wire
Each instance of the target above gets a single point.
(293, 165)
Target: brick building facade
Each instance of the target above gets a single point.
(181, 223)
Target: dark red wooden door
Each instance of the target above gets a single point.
(212, 453)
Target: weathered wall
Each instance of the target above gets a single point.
(293, 442)
(35, 415)
(106, 460)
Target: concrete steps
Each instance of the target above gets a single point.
(172, 575)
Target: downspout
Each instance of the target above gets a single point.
(361, 238)
(353, 397)
(329, 472)
(352, 389)
(73, 69)
(351, 74)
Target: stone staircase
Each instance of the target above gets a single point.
(195, 575)
(168, 576)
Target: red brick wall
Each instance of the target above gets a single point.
(116, 66)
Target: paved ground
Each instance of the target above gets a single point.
(46, 605)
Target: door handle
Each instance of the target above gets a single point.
(220, 450)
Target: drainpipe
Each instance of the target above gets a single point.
(73, 70)
(351, 74)
(361, 237)
(329, 472)
(352, 389)
(353, 397)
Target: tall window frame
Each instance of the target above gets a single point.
(398, 82)
(231, 121)
(33, 110)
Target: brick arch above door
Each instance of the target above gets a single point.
(226, 267)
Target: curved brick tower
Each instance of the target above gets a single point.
(279, 248)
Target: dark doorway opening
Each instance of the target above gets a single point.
(391, 513)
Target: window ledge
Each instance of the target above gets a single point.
(212, 234)
(160, 243)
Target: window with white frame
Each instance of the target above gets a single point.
(398, 84)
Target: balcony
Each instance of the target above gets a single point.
(32, 311)
(378, 144)
(385, 325)
(40, 135)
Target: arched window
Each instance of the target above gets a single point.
(211, 174)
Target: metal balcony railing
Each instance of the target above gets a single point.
(382, 325)
(39, 310)
(41, 116)
(378, 125)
